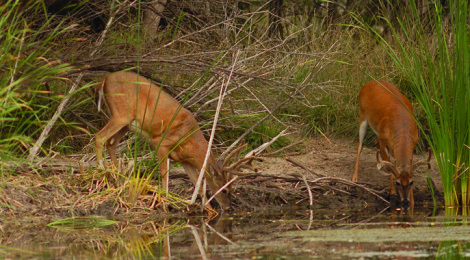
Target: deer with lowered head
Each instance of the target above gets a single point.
(144, 108)
(390, 114)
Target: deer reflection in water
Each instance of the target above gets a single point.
(204, 236)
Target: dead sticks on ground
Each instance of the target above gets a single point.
(283, 184)
(303, 167)
(343, 181)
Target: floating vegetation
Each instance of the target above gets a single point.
(410, 234)
(79, 223)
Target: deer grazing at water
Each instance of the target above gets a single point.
(140, 106)
(390, 114)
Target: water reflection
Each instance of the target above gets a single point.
(303, 234)
(207, 238)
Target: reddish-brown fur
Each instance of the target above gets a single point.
(390, 114)
(134, 100)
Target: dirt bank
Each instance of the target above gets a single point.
(336, 158)
(63, 194)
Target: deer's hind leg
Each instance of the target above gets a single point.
(113, 142)
(112, 130)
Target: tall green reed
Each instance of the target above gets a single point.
(431, 51)
(27, 40)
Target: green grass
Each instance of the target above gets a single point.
(25, 55)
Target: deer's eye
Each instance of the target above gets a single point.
(411, 183)
(224, 191)
(398, 184)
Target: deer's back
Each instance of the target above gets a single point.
(386, 109)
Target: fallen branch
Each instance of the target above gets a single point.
(308, 189)
(344, 181)
(350, 183)
(303, 167)
(266, 144)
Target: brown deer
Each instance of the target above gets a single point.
(390, 114)
(137, 104)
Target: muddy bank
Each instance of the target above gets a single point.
(336, 159)
(279, 185)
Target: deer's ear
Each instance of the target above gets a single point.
(387, 168)
(216, 172)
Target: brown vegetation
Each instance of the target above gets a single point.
(286, 70)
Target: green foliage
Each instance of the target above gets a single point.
(438, 74)
(26, 66)
(264, 132)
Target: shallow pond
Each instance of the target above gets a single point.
(369, 233)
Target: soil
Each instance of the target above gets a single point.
(336, 158)
(279, 184)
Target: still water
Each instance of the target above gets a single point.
(370, 233)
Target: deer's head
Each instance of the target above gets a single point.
(403, 176)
